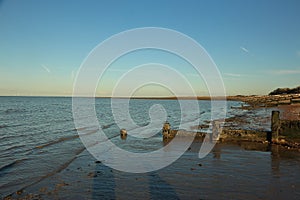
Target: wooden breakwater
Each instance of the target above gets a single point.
(169, 134)
(268, 100)
(283, 132)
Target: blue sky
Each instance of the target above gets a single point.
(255, 44)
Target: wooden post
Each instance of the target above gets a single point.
(166, 127)
(275, 124)
(215, 130)
(166, 130)
(269, 136)
(123, 134)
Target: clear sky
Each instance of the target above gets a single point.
(255, 43)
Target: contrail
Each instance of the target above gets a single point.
(46, 68)
(244, 49)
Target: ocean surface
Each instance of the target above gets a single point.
(41, 156)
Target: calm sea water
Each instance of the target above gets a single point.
(40, 153)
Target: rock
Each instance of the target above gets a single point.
(282, 140)
(19, 192)
(43, 190)
(272, 104)
(296, 100)
(58, 185)
(92, 175)
(202, 126)
(294, 96)
(284, 102)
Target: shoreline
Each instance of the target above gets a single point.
(288, 106)
(233, 129)
(88, 175)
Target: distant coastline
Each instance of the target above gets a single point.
(142, 97)
(251, 100)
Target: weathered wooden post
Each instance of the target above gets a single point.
(275, 124)
(166, 130)
(216, 126)
(269, 136)
(123, 133)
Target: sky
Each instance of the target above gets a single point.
(254, 43)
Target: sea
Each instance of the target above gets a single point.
(43, 157)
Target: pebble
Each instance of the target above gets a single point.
(19, 192)
(92, 174)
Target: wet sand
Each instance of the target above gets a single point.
(230, 171)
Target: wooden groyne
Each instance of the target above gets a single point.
(283, 132)
(268, 100)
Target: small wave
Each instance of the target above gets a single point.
(107, 126)
(57, 141)
(17, 135)
(15, 147)
(62, 120)
(12, 125)
(58, 170)
(3, 126)
(101, 141)
(65, 165)
(80, 129)
(145, 124)
(9, 165)
(14, 110)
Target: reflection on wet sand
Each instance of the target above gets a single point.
(251, 166)
(244, 170)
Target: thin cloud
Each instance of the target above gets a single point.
(286, 71)
(244, 49)
(46, 68)
(232, 74)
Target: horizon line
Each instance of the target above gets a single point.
(228, 97)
